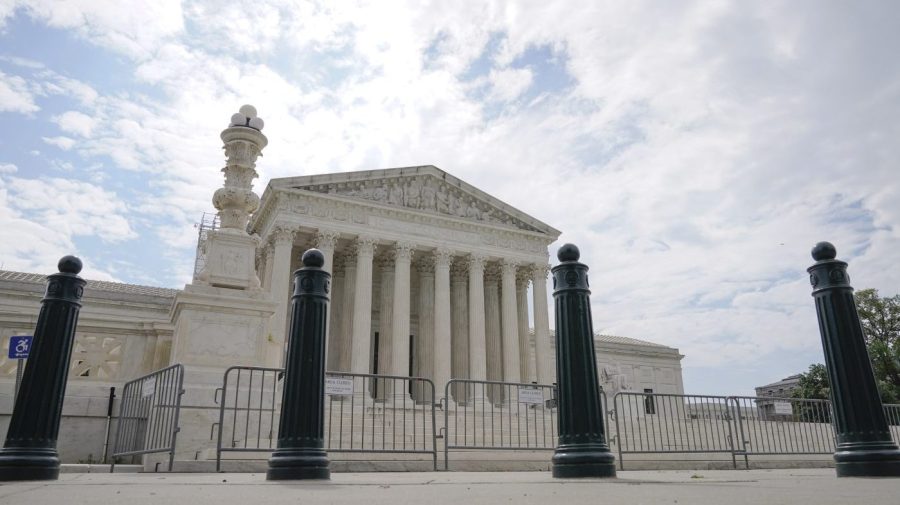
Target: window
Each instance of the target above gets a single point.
(649, 402)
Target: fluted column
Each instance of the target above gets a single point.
(545, 373)
(510, 323)
(442, 332)
(348, 296)
(400, 344)
(425, 344)
(282, 243)
(325, 242)
(492, 337)
(526, 365)
(266, 279)
(385, 322)
(337, 315)
(362, 305)
(477, 356)
(460, 327)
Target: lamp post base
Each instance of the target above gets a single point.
(18, 464)
(868, 463)
(298, 464)
(589, 460)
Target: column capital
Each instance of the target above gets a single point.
(385, 262)
(540, 270)
(326, 239)
(477, 261)
(491, 272)
(337, 265)
(364, 245)
(459, 271)
(509, 267)
(425, 264)
(282, 234)
(403, 251)
(442, 256)
(523, 278)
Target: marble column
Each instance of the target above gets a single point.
(510, 323)
(442, 321)
(526, 365)
(282, 243)
(348, 296)
(476, 312)
(425, 344)
(385, 322)
(492, 337)
(545, 374)
(362, 306)
(266, 279)
(325, 241)
(336, 316)
(460, 328)
(400, 344)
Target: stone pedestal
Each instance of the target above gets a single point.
(230, 260)
(215, 328)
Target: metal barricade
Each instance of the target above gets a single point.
(499, 415)
(364, 413)
(766, 425)
(668, 423)
(148, 415)
(892, 413)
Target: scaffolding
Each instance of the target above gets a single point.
(208, 222)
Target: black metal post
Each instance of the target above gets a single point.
(301, 429)
(30, 449)
(864, 447)
(583, 450)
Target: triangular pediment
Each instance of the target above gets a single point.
(425, 188)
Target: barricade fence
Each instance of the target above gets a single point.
(368, 413)
(148, 415)
(364, 413)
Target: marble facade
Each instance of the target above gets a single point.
(431, 275)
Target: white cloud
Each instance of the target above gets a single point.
(15, 95)
(76, 122)
(8, 168)
(62, 142)
(509, 83)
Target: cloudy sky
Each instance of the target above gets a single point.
(695, 151)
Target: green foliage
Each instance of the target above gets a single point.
(880, 319)
(813, 385)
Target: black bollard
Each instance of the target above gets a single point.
(864, 445)
(301, 428)
(583, 450)
(30, 449)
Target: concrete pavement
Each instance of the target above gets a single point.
(731, 487)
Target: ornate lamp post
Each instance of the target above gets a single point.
(864, 444)
(301, 430)
(583, 450)
(30, 449)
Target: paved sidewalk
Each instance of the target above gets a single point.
(757, 487)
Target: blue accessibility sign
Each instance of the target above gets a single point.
(20, 346)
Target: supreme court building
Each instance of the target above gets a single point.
(430, 274)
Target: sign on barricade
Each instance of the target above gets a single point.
(338, 387)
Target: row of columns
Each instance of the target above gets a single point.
(470, 311)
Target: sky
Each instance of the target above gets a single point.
(694, 151)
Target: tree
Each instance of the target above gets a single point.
(880, 319)
(813, 385)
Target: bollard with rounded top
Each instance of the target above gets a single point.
(864, 445)
(29, 452)
(583, 450)
(301, 430)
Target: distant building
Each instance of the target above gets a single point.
(783, 389)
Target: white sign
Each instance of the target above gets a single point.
(149, 387)
(340, 387)
(783, 408)
(531, 395)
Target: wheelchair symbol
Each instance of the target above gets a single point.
(22, 347)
